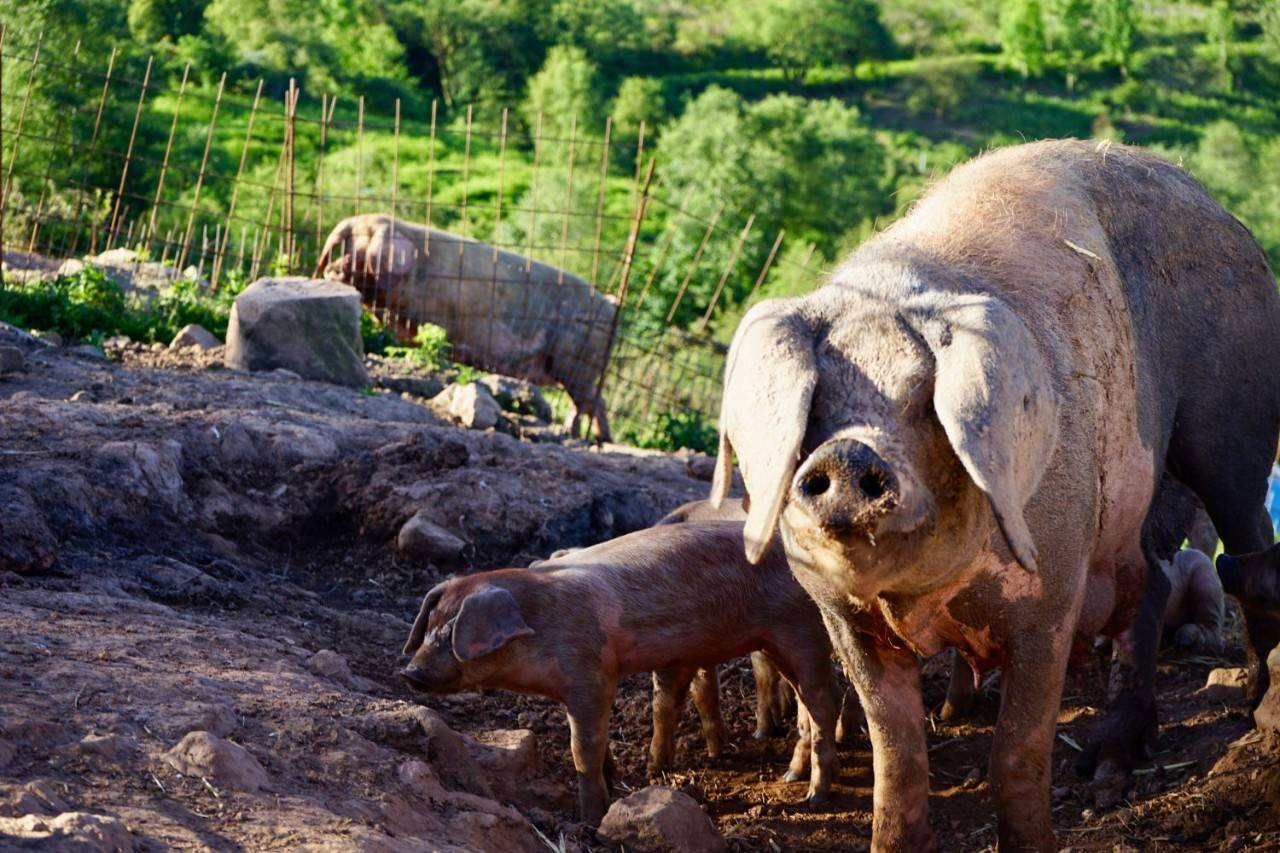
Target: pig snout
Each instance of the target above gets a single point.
(845, 486)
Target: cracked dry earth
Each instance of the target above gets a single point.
(186, 549)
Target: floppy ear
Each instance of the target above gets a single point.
(489, 619)
(424, 614)
(769, 380)
(341, 234)
(995, 399)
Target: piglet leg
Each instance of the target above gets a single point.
(960, 690)
(589, 740)
(851, 719)
(670, 687)
(813, 680)
(770, 718)
(801, 756)
(706, 697)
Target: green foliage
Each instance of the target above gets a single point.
(639, 99)
(566, 92)
(1117, 27)
(601, 28)
(1022, 36)
(1074, 40)
(156, 20)
(801, 34)
(430, 348)
(673, 431)
(377, 338)
(90, 305)
(1220, 34)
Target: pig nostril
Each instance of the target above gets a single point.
(815, 485)
(872, 484)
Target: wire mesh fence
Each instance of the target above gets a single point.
(545, 248)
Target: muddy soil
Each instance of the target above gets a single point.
(187, 548)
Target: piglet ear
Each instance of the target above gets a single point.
(424, 615)
(488, 620)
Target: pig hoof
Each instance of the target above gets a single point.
(951, 712)
(793, 776)
(817, 798)
(760, 734)
(1120, 741)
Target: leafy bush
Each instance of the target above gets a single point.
(673, 431)
(90, 305)
(430, 350)
(377, 337)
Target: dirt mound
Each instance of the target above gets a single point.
(185, 549)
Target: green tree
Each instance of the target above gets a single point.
(602, 28)
(639, 99)
(1074, 40)
(565, 91)
(811, 167)
(151, 21)
(1117, 25)
(1022, 37)
(801, 34)
(1220, 34)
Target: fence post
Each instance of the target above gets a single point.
(88, 160)
(221, 252)
(168, 148)
(724, 277)
(693, 264)
(22, 116)
(4, 29)
(204, 163)
(290, 109)
(128, 156)
(628, 255)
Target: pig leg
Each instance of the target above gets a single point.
(851, 717)
(706, 697)
(960, 690)
(768, 682)
(589, 713)
(1022, 745)
(802, 754)
(888, 683)
(670, 687)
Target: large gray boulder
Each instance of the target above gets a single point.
(308, 326)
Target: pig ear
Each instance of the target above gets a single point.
(424, 614)
(769, 380)
(995, 399)
(722, 481)
(489, 619)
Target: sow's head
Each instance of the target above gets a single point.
(886, 437)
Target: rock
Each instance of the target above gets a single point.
(1267, 714)
(11, 359)
(518, 396)
(1225, 684)
(329, 664)
(26, 542)
(88, 351)
(510, 758)
(218, 718)
(444, 750)
(659, 819)
(7, 751)
(35, 798)
(79, 831)
(51, 338)
(107, 747)
(194, 335)
(308, 326)
(117, 342)
(418, 386)
(422, 539)
(701, 467)
(221, 761)
(150, 472)
(469, 404)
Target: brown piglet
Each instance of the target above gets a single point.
(678, 597)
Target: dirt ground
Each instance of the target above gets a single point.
(180, 541)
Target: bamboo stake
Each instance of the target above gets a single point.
(220, 257)
(568, 201)
(395, 196)
(466, 179)
(128, 157)
(93, 147)
(290, 192)
(326, 115)
(639, 150)
(768, 262)
(359, 150)
(204, 164)
(53, 153)
(604, 175)
(168, 147)
(724, 276)
(431, 175)
(497, 229)
(264, 237)
(667, 239)
(533, 192)
(22, 118)
(693, 264)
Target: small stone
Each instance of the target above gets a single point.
(194, 335)
(470, 404)
(518, 396)
(422, 539)
(701, 467)
(659, 819)
(1225, 684)
(1267, 714)
(51, 338)
(117, 342)
(36, 798)
(107, 746)
(80, 831)
(88, 351)
(11, 359)
(329, 664)
(157, 347)
(223, 762)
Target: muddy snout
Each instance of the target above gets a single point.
(845, 487)
(413, 675)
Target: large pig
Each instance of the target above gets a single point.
(503, 312)
(961, 434)
(675, 598)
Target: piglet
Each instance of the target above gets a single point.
(667, 598)
(1194, 612)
